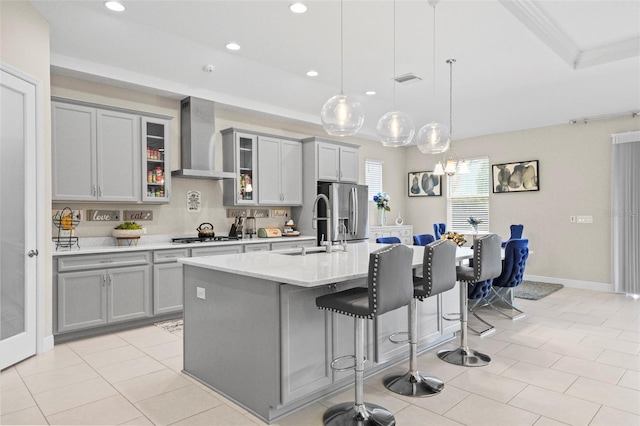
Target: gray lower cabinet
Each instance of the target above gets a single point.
(97, 297)
(211, 251)
(305, 342)
(168, 281)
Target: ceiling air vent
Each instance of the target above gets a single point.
(407, 78)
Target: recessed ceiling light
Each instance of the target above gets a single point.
(233, 46)
(114, 5)
(298, 8)
(312, 73)
(370, 92)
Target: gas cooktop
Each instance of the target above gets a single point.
(188, 240)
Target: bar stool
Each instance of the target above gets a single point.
(439, 272)
(487, 264)
(390, 286)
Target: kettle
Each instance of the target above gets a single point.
(205, 230)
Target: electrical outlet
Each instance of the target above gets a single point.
(200, 293)
(585, 219)
(572, 219)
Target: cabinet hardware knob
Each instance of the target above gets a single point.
(32, 253)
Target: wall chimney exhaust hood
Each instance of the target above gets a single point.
(197, 141)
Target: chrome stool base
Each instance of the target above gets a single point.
(467, 358)
(414, 384)
(350, 414)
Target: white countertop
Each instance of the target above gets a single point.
(312, 270)
(159, 242)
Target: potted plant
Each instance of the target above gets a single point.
(128, 230)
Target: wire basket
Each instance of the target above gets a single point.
(66, 224)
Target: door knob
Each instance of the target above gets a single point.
(32, 253)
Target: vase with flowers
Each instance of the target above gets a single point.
(382, 203)
(474, 222)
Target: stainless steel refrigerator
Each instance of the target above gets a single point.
(349, 217)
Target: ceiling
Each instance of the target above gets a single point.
(519, 63)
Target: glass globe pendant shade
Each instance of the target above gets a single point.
(395, 128)
(342, 116)
(433, 138)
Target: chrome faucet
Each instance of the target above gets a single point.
(342, 229)
(315, 219)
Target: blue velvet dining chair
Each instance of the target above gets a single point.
(423, 239)
(388, 240)
(516, 253)
(516, 233)
(439, 229)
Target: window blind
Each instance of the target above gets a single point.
(468, 195)
(373, 176)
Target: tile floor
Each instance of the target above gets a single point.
(573, 360)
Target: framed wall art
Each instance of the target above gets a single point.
(424, 184)
(516, 177)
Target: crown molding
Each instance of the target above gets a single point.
(534, 18)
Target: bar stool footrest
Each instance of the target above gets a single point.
(453, 316)
(397, 342)
(342, 358)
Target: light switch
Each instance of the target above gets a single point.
(200, 293)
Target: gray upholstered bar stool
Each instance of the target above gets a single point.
(487, 264)
(390, 286)
(438, 276)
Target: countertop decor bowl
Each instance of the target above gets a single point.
(127, 233)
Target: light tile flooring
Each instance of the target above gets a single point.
(574, 359)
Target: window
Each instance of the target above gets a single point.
(468, 195)
(373, 176)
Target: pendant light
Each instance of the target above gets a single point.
(342, 115)
(451, 164)
(434, 137)
(395, 128)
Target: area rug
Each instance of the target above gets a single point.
(534, 290)
(172, 326)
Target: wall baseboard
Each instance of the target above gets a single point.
(46, 345)
(585, 285)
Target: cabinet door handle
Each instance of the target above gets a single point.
(104, 281)
(99, 190)
(93, 190)
(110, 279)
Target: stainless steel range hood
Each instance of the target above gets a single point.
(197, 141)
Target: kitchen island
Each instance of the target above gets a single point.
(252, 331)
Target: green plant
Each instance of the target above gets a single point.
(128, 225)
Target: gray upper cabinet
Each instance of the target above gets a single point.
(337, 163)
(95, 154)
(279, 171)
(326, 160)
(156, 160)
(239, 151)
(118, 155)
(73, 154)
(98, 154)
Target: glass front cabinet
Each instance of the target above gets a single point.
(240, 156)
(156, 161)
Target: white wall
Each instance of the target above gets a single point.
(574, 175)
(24, 45)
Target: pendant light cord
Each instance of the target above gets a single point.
(450, 62)
(394, 55)
(341, 49)
(433, 85)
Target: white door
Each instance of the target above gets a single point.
(18, 254)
